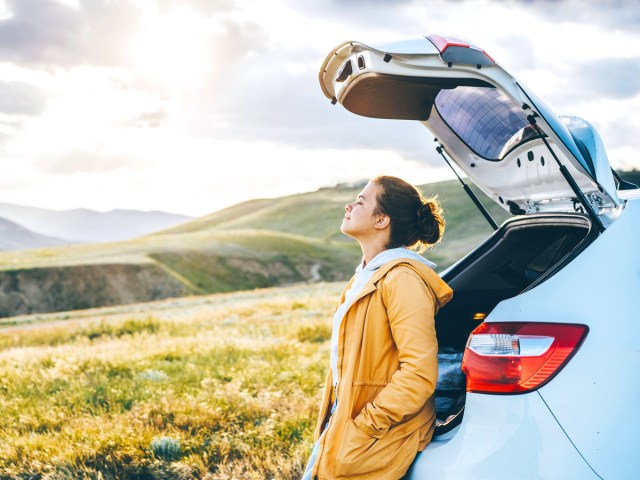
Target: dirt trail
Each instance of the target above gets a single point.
(315, 273)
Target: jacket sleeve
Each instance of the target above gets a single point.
(410, 307)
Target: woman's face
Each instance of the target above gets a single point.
(359, 220)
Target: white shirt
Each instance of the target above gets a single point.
(362, 276)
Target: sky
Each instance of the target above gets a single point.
(189, 106)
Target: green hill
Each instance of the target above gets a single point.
(318, 215)
(258, 243)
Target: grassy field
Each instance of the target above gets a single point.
(220, 386)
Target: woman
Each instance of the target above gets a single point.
(378, 407)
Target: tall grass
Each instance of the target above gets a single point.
(224, 386)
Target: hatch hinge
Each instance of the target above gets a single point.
(530, 207)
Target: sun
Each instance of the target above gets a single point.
(173, 48)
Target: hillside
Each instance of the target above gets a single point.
(162, 266)
(318, 214)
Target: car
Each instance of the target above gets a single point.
(539, 350)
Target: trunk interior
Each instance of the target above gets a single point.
(522, 253)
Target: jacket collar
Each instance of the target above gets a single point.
(441, 290)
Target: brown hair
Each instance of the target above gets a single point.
(416, 221)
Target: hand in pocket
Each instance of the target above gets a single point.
(359, 453)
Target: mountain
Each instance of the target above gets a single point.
(16, 237)
(83, 225)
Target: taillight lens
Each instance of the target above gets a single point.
(518, 357)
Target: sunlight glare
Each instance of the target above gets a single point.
(5, 12)
(172, 48)
(70, 3)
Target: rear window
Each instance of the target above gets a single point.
(485, 119)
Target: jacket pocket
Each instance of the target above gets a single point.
(359, 453)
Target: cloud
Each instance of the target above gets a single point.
(571, 86)
(354, 12)
(279, 106)
(266, 88)
(84, 161)
(80, 103)
(239, 39)
(204, 7)
(609, 77)
(516, 52)
(154, 119)
(418, 16)
(251, 95)
(19, 103)
(47, 33)
(621, 135)
(19, 98)
(613, 14)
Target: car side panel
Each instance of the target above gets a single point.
(595, 397)
(503, 437)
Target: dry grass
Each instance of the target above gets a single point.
(223, 386)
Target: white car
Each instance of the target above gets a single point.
(546, 311)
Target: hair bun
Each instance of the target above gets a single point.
(424, 212)
(430, 221)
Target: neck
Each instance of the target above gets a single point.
(371, 249)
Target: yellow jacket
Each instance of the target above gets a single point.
(388, 368)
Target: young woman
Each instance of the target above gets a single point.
(378, 407)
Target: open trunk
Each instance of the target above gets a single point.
(524, 252)
(551, 171)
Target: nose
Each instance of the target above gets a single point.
(348, 207)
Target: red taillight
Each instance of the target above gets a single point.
(518, 357)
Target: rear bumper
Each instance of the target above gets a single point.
(503, 437)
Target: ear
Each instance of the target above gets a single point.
(382, 222)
